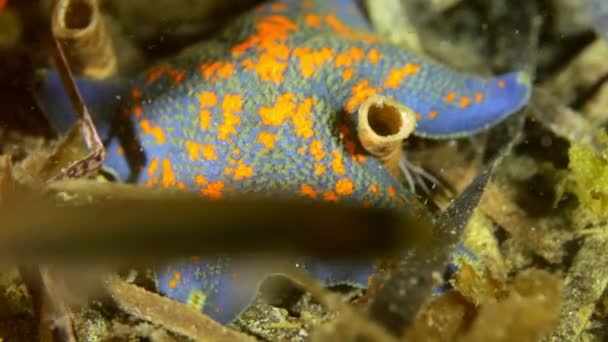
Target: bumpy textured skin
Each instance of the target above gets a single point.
(268, 110)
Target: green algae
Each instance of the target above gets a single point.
(587, 178)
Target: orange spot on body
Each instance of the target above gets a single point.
(167, 175)
(501, 84)
(155, 73)
(212, 70)
(330, 196)
(347, 75)
(177, 75)
(272, 30)
(195, 149)
(240, 171)
(267, 139)
(136, 94)
(278, 7)
(311, 60)
(450, 97)
(137, 110)
(152, 181)
(374, 56)
(312, 20)
(284, 108)
(337, 163)
(396, 76)
(204, 118)
(213, 190)
(231, 104)
(276, 114)
(418, 116)
(349, 57)
(302, 119)
(208, 69)
(208, 152)
(319, 169)
(433, 114)
(345, 187)
(196, 258)
(361, 158)
(391, 191)
(120, 150)
(269, 68)
(177, 276)
(316, 149)
(153, 166)
(172, 283)
(225, 70)
(373, 188)
(360, 92)
(308, 190)
(156, 131)
(207, 99)
(336, 24)
(478, 97)
(464, 102)
(200, 180)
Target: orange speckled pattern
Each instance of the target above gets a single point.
(268, 110)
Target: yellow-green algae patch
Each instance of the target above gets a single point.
(588, 177)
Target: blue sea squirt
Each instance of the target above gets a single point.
(269, 108)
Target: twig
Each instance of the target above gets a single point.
(171, 315)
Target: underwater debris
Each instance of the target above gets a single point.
(94, 147)
(527, 311)
(11, 29)
(544, 236)
(382, 126)
(584, 71)
(564, 121)
(80, 28)
(569, 18)
(186, 21)
(50, 310)
(6, 179)
(443, 318)
(480, 279)
(585, 284)
(199, 226)
(170, 314)
(349, 325)
(266, 322)
(595, 107)
(418, 270)
(390, 19)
